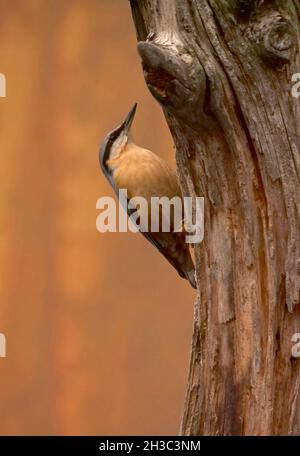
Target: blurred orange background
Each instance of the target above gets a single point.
(98, 326)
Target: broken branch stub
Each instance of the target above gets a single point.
(274, 39)
(175, 79)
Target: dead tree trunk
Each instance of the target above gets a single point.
(222, 71)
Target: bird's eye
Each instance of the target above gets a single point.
(113, 136)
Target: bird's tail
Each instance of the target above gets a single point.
(190, 276)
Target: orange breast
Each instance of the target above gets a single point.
(142, 173)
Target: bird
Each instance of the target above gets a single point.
(144, 174)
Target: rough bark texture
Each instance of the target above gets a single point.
(222, 71)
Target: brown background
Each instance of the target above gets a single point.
(97, 325)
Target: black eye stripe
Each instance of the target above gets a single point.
(114, 135)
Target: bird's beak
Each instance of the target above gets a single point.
(129, 119)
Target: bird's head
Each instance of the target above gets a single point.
(116, 141)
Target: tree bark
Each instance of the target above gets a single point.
(222, 72)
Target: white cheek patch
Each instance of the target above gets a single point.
(118, 146)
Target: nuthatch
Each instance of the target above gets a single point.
(144, 174)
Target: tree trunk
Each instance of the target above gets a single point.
(222, 72)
